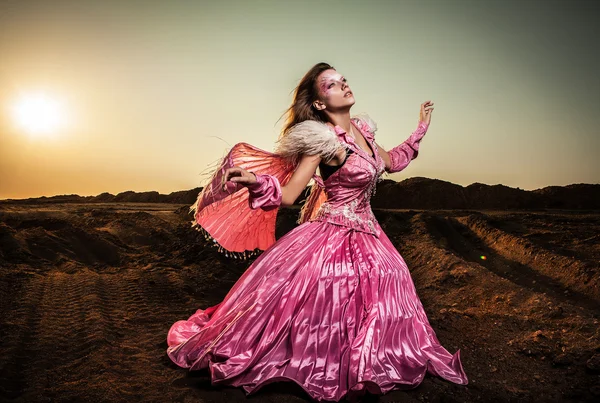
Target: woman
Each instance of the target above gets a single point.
(331, 305)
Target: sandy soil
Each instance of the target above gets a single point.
(88, 292)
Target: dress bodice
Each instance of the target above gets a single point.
(327, 170)
(349, 189)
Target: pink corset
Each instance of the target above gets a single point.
(349, 189)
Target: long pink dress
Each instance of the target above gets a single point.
(331, 305)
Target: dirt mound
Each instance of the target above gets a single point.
(575, 196)
(420, 193)
(425, 193)
(96, 238)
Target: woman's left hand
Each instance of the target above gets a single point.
(425, 114)
(238, 175)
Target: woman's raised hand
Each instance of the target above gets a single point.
(425, 114)
(238, 175)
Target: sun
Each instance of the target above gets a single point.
(39, 113)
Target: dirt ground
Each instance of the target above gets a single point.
(89, 291)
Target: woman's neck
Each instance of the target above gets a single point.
(341, 119)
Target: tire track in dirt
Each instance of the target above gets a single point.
(458, 240)
(74, 329)
(114, 323)
(18, 352)
(157, 297)
(564, 278)
(104, 324)
(83, 333)
(69, 337)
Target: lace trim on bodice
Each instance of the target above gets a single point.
(349, 215)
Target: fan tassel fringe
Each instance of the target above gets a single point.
(213, 243)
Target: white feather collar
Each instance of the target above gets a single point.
(315, 138)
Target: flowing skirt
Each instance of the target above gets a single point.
(332, 309)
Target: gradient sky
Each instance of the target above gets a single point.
(153, 92)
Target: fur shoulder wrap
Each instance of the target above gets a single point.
(316, 138)
(309, 137)
(365, 119)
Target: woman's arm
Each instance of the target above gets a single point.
(306, 168)
(400, 156)
(265, 189)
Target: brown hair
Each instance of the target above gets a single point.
(304, 95)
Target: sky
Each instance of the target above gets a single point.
(145, 95)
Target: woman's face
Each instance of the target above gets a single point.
(334, 92)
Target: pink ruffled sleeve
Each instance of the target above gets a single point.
(403, 154)
(265, 193)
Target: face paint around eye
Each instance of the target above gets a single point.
(330, 78)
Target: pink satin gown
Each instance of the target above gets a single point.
(331, 306)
